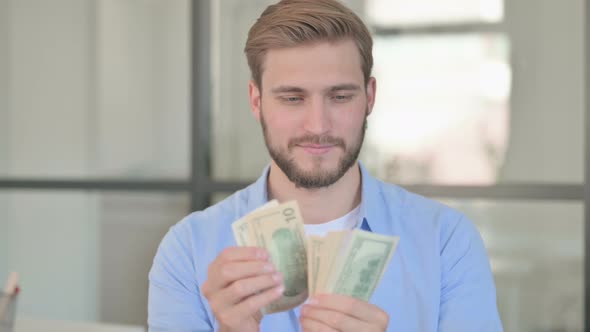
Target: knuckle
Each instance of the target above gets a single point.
(238, 288)
(353, 306)
(252, 304)
(205, 288)
(380, 316)
(225, 271)
(224, 255)
(335, 321)
(383, 318)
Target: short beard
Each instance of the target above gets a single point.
(320, 178)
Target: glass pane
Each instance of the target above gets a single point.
(443, 118)
(417, 12)
(218, 197)
(536, 250)
(468, 108)
(95, 89)
(473, 109)
(237, 146)
(84, 256)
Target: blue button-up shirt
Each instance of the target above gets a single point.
(439, 279)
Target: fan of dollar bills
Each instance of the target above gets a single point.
(348, 262)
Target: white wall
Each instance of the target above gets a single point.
(4, 82)
(142, 127)
(233, 123)
(143, 72)
(49, 71)
(52, 245)
(93, 88)
(547, 102)
(4, 121)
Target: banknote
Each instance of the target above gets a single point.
(332, 244)
(279, 229)
(348, 262)
(315, 246)
(360, 264)
(241, 228)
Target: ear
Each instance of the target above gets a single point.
(255, 99)
(371, 91)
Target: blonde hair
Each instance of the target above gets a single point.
(290, 23)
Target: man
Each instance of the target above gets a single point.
(311, 91)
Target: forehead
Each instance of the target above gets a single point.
(312, 66)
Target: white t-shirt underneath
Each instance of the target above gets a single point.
(347, 221)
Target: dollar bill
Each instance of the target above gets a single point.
(279, 229)
(360, 265)
(344, 262)
(332, 244)
(315, 247)
(241, 228)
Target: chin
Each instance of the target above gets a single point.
(315, 164)
(324, 170)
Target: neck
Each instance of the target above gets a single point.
(340, 197)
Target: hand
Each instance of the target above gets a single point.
(331, 312)
(240, 282)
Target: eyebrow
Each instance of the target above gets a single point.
(335, 88)
(348, 87)
(286, 89)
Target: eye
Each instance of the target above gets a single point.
(342, 98)
(291, 99)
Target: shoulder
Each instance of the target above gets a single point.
(417, 206)
(421, 213)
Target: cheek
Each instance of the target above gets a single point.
(279, 128)
(281, 124)
(350, 125)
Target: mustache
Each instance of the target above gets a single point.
(317, 140)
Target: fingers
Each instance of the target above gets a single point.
(232, 271)
(351, 306)
(240, 282)
(244, 288)
(235, 263)
(311, 325)
(231, 254)
(250, 306)
(333, 319)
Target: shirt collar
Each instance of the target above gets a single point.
(374, 208)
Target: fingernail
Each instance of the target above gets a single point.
(268, 267)
(280, 289)
(277, 276)
(313, 300)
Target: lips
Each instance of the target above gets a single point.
(317, 149)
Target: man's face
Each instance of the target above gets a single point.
(313, 109)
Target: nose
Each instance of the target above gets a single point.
(317, 118)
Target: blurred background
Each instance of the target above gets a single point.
(119, 117)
